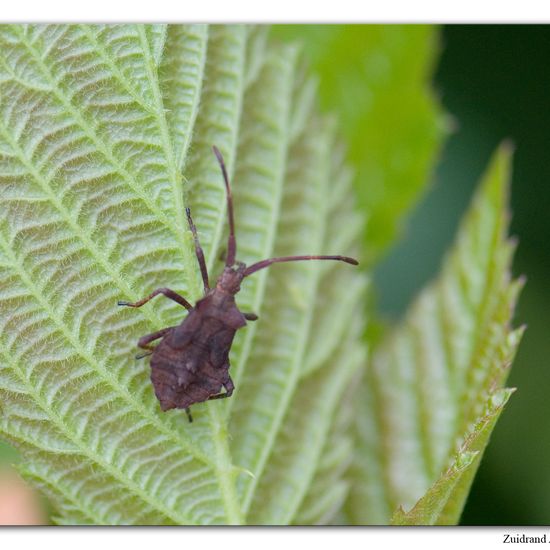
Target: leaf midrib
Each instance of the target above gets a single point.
(268, 248)
(314, 278)
(219, 227)
(168, 149)
(182, 155)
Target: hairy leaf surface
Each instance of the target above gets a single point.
(105, 138)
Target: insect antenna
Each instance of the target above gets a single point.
(231, 241)
(198, 251)
(266, 263)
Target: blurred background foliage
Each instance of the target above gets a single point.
(495, 84)
(377, 76)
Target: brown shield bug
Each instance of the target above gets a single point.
(191, 362)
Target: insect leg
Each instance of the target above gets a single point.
(189, 416)
(144, 341)
(198, 251)
(219, 396)
(167, 292)
(229, 387)
(250, 316)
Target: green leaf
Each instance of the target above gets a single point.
(375, 77)
(105, 137)
(443, 502)
(432, 393)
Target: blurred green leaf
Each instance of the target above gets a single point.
(433, 390)
(376, 79)
(7, 453)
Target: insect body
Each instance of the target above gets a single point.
(191, 362)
